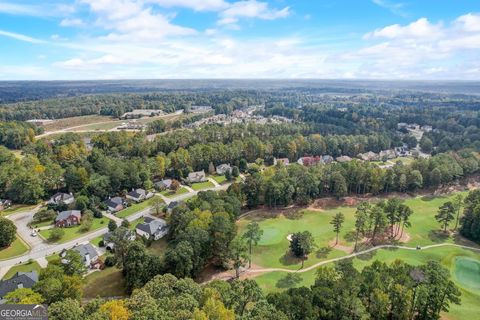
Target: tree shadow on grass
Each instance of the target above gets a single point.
(438, 235)
(350, 236)
(365, 256)
(289, 259)
(432, 197)
(289, 281)
(323, 252)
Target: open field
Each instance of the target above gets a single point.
(202, 185)
(65, 123)
(170, 193)
(134, 208)
(104, 283)
(74, 232)
(25, 267)
(17, 248)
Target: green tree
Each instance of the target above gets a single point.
(157, 205)
(446, 214)
(426, 144)
(235, 172)
(238, 255)
(458, 203)
(56, 234)
(73, 263)
(8, 232)
(23, 296)
(253, 234)
(112, 225)
(361, 219)
(65, 309)
(337, 222)
(302, 244)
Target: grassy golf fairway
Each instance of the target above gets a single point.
(272, 250)
(464, 266)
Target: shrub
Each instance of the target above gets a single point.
(110, 261)
(56, 234)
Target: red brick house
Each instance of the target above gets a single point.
(68, 218)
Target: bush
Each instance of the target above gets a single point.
(97, 214)
(56, 234)
(8, 232)
(101, 243)
(110, 261)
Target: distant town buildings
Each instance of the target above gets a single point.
(138, 113)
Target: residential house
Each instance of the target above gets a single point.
(343, 159)
(368, 156)
(402, 151)
(163, 185)
(19, 280)
(387, 154)
(198, 176)
(108, 240)
(326, 159)
(139, 195)
(172, 205)
(68, 218)
(61, 198)
(87, 252)
(152, 228)
(114, 204)
(309, 161)
(284, 161)
(5, 204)
(426, 128)
(223, 168)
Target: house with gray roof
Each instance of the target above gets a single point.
(163, 185)
(68, 218)
(139, 195)
(18, 281)
(87, 252)
(223, 168)
(61, 198)
(152, 228)
(114, 204)
(198, 176)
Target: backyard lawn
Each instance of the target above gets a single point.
(170, 193)
(17, 248)
(104, 283)
(25, 267)
(219, 179)
(202, 185)
(134, 208)
(74, 232)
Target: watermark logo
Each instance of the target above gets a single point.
(23, 312)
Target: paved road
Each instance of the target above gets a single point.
(41, 249)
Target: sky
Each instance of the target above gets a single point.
(163, 39)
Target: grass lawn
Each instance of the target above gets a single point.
(75, 121)
(54, 258)
(104, 283)
(16, 208)
(25, 267)
(464, 266)
(158, 247)
(74, 232)
(171, 194)
(134, 208)
(202, 185)
(42, 224)
(17, 248)
(96, 241)
(219, 179)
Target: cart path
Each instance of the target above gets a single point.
(386, 246)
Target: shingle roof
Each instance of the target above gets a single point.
(113, 202)
(65, 214)
(151, 226)
(85, 249)
(19, 280)
(137, 193)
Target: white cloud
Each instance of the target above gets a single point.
(251, 9)
(20, 37)
(72, 22)
(43, 10)
(469, 22)
(394, 7)
(421, 28)
(197, 5)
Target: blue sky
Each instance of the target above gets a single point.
(138, 39)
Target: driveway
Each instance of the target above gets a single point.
(21, 220)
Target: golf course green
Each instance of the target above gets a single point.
(272, 250)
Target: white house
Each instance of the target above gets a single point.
(61, 198)
(152, 228)
(87, 252)
(223, 168)
(139, 195)
(198, 176)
